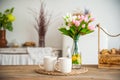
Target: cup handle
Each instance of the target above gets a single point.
(40, 66)
(56, 66)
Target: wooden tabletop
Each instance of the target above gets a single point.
(28, 73)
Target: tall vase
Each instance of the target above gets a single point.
(3, 41)
(76, 55)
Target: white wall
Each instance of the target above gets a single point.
(106, 13)
(24, 24)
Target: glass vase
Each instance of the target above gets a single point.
(76, 55)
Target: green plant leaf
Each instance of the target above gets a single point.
(65, 32)
(12, 9)
(9, 26)
(7, 11)
(83, 30)
(72, 29)
(87, 32)
(0, 14)
(86, 25)
(70, 34)
(80, 27)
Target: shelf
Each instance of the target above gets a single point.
(13, 50)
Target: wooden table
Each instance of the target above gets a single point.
(28, 73)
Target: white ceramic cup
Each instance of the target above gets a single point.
(48, 63)
(63, 65)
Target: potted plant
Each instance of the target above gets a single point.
(6, 19)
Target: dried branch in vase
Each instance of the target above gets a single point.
(42, 24)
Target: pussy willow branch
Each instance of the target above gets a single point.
(42, 22)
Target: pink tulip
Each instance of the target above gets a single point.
(90, 27)
(82, 17)
(80, 20)
(86, 18)
(77, 23)
(92, 19)
(73, 21)
(83, 26)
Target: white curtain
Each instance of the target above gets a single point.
(16, 59)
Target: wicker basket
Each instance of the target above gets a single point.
(109, 59)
